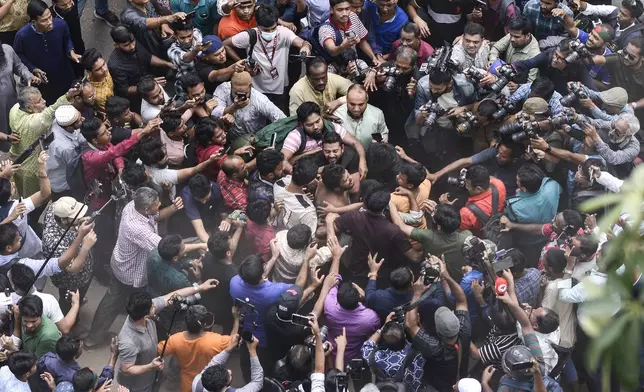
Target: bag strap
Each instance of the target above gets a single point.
(478, 212)
(400, 374)
(252, 40)
(459, 357)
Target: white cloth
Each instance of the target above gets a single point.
(32, 246)
(161, 176)
(298, 208)
(9, 382)
(50, 306)
(149, 111)
(550, 356)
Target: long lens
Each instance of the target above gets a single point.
(452, 181)
(572, 57)
(498, 85)
(519, 137)
(568, 99)
(431, 119)
(389, 83)
(509, 129)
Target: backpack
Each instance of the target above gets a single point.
(383, 380)
(75, 175)
(503, 9)
(315, 41)
(252, 40)
(491, 223)
(621, 41)
(282, 128)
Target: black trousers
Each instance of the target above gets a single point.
(264, 358)
(109, 307)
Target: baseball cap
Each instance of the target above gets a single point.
(535, 106)
(289, 302)
(447, 324)
(68, 207)
(215, 46)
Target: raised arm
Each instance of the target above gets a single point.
(43, 194)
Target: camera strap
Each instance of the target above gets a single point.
(479, 213)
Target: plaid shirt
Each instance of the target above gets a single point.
(261, 236)
(104, 90)
(523, 92)
(138, 236)
(528, 286)
(545, 26)
(176, 53)
(235, 193)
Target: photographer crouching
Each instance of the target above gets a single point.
(395, 81)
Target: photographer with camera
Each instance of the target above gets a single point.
(607, 105)
(446, 359)
(523, 365)
(541, 87)
(621, 146)
(392, 358)
(216, 378)
(196, 344)
(138, 337)
(518, 44)
(410, 36)
(503, 160)
(595, 44)
(486, 197)
(552, 64)
(559, 232)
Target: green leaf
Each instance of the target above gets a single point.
(600, 202)
(605, 339)
(628, 367)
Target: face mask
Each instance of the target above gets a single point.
(268, 36)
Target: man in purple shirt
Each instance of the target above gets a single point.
(343, 309)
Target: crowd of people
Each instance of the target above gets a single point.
(361, 195)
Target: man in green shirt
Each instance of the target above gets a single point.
(39, 334)
(443, 239)
(361, 119)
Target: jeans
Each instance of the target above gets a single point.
(109, 307)
(100, 6)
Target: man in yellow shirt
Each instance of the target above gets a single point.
(326, 89)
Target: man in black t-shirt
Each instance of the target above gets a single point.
(211, 64)
(335, 151)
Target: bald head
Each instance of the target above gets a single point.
(234, 167)
(241, 79)
(357, 99)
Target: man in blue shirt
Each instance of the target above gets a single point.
(205, 13)
(384, 21)
(251, 286)
(544, 22)
(201, 200)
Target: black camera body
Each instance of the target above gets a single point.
(431, 272)
(506, 109)
(468, 122)
(576, 93)
(179, 302)
(568, 117)
(252, 65)
(399, 314)
(520, 130)
(392, 73)
(580, 51)
(458, 181)
(440, 60)
(434, 110)
(506, 74)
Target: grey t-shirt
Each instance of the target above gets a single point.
(139, 346)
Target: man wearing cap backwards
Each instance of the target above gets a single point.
(211, 64)
(531, 379)
(453, 329)
(64, 148)
(596, 42)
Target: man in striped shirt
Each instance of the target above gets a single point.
(138, 236)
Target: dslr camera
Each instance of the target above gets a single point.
(391, 76)
(434, 110)
(179, 302)
(502, 112)
(520, 130)
(576, 93)
(252, 66)
(468, 122)
(506, 74)
(440, 60)
(431, 272)
(458, 181)
(580, 51)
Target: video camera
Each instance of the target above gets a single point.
(579, 51)
(391, 76)
(179, 302)
(355, 368)
(468, 122)
(458, 181)
(434, 110)
(577, 92)
(431, 272)
(440, 61)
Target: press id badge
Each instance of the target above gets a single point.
(274, 73)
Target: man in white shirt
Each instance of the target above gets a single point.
(271, 52)
(153, 97)
(13, 377)
(64, 148)
(298, 207)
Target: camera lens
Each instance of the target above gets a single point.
(519, 136)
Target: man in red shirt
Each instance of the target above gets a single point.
(481, 187)
(231, 180)
(410, 37)
(241, 17)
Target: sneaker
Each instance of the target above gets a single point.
(108, 17)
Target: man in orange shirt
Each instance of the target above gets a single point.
(195, 347)
(484, 192)
(241, 18)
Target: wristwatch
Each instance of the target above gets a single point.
(548, 149)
